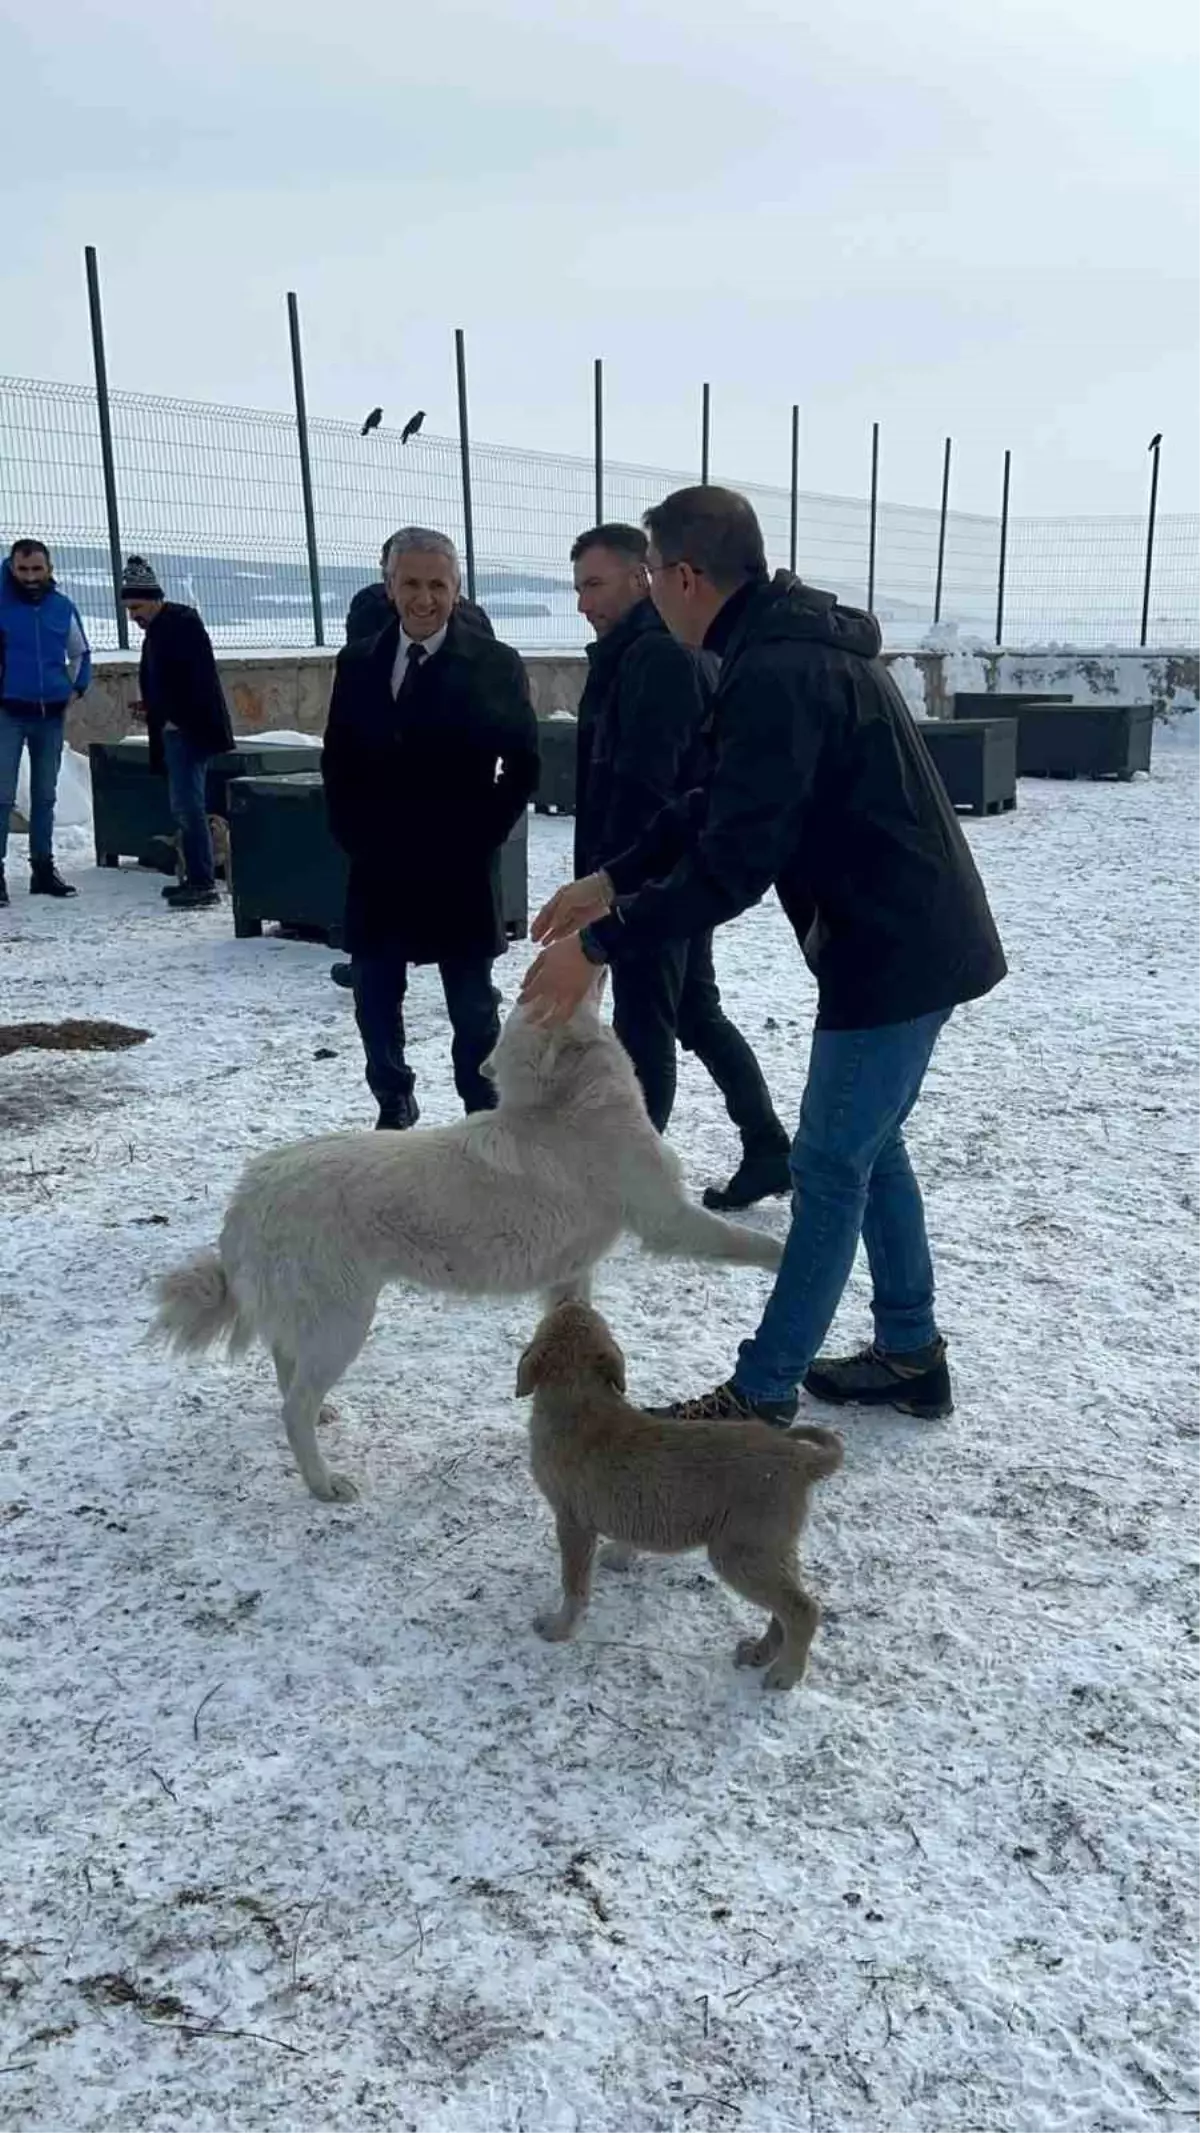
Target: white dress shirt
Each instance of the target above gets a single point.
(429, 645)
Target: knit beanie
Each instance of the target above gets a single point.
(139, 580)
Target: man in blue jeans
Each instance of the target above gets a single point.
(819, 786)
(187, 720)
(44, 665)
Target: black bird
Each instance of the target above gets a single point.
(1155, 441)
(412, 425)
(372, 422)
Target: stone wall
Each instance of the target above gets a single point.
(289, 692)
(284, 692)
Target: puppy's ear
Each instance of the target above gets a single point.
(612, 1369)
(527, 1371)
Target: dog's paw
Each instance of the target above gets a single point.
(335, 1488)
(779, 1676)
(329, 1413)
(553, 1625)
(753, 1651)
(618, 1555)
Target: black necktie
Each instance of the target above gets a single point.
(413, 659)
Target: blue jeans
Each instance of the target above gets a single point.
(851, 1178)
(186, 768)
(43, 736)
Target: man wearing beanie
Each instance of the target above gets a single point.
(187, 720)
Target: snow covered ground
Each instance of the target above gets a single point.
(303, 1827)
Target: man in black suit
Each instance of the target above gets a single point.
(430, 757)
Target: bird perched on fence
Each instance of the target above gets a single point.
(1155, 441)
(412, 425)
(372, 422)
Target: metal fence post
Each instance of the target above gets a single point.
(1155, 447)
(464, 444)
(794, 518)
(705, 424)
(872, 536)
(599, 425)
(310, 523)
(106, 446)
(1003, 554)
(941, 561)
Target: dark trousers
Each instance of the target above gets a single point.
(673, 995)
(472, 1002)
(186, 779)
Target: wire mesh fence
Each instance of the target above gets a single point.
(212, 495)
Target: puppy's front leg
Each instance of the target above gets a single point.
(577, 1546)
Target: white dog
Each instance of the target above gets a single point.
(526, 1197)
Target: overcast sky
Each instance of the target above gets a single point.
(965, 216)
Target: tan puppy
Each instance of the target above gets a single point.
(739, 1489)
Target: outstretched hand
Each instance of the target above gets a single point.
(580, 904)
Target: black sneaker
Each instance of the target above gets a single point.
(757, 1177)
(191, 896)
(342, 974)
(727, 1403)
(397, 1117)
(914, 1384)
(4, 896)
(169, 890)
(45, 880)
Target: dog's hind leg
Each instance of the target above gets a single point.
(285, 1371)
(323, 1359)
(577, 1547)
(769, 1580)
(576, 1288)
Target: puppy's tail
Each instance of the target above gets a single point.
(818, 1451)
(197, 1308)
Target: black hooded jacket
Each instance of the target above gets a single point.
(821, 786)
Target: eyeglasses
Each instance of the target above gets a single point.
(654, 570)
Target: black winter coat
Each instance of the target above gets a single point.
(371, 611)
(422, 792)
(180, 685)
(821, 785)
(644, 702)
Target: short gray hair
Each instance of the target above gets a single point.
(411, 540)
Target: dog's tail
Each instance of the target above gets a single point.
(819, 1451)
(197, 1308)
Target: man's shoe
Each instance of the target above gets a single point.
(169, 889)
(728, 1403)
(3, 888)
(45, 880)
(397, 1117)
(917, 1383)
(342, 974)
(757, 1177)
(191, 896)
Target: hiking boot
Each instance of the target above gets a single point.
(728, 1403)
(342, 974)
(917, 1383)
(398, 1115)
(4, 896)
(757, 1177)
(191, 896)
(45, 880)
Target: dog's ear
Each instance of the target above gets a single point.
(527, 1371)
(612, 1369)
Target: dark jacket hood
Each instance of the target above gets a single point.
(783, 607)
